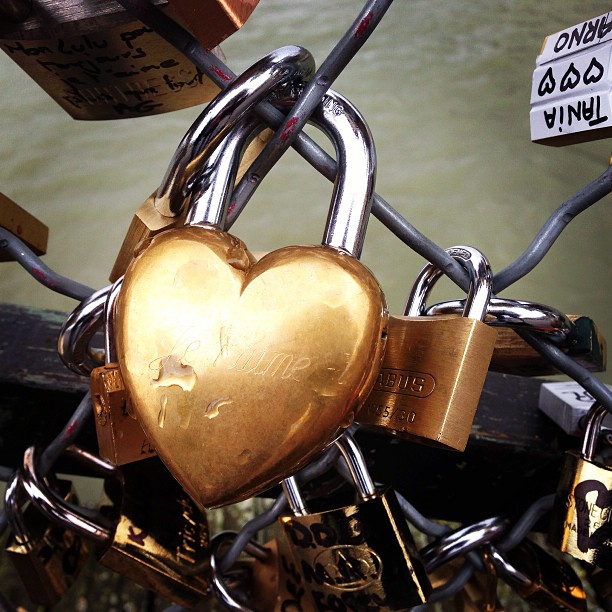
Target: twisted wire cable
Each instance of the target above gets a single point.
(32, 264)
(222, 76)
(339, 57)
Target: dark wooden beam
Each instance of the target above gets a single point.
(513, 456)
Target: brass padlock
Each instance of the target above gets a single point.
(47, 558)
(357, 557)
(120, 437)
(581, 520)
(25, 226)
(544, 582)
(434, 368)
(576, 335)
(212, 21)
(153, 534)
(98, 62)
(205, 337)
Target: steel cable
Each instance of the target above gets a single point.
(567, 365)
(552, 229)
(39, 270)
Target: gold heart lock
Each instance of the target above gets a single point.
(242, 372)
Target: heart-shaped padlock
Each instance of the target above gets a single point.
(241, 373)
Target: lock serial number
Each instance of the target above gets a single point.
(393, 414)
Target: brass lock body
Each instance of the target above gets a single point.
(98, 62)
(434, 367)
(47, 557)
(32, 232)
(277, 584)
(121, 439)
(575, 335)
(148, 221)
(587, 346)
(581, 521)
(360, 556)
(159, 535)
(544, 582)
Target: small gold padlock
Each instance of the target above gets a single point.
(360, 556)
(148, 221)
(434, 368)
(98, 62)
(277, 584)
(48, 558)
(153, 533)
(581, 520)
(120, 437)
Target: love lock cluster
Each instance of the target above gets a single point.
(242, 374)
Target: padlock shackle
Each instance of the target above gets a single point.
(221, 590)
(56, 509)
(517, 314)
(462, 541)
(351, 201)
(294, 496)
(357, 466)
(211, 193)
(507, 571)
(481, 284)
(594, 419)
(13, 513)
(110, 351)
(73, 342)
(253, 86)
